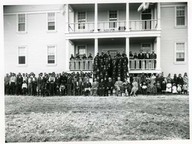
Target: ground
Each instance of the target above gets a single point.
(79, 118)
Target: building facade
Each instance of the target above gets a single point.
(41, 38)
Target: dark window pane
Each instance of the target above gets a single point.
(51, 26)
(21, 59)
(180, 59)
(21, 27)
(51, 61)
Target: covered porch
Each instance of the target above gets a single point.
(114, 45)
(119, 17)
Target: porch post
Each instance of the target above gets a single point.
(127, 16)
(96, 18)
(158, 16)
(158, 50)
(67, 54)
(127, 49)
(67, 18)
(96, 47)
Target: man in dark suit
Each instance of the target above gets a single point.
(140, 57)
(153, 56)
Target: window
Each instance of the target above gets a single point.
(51, 21)
(81, 20)
(180, 52)
(51, 54)
(22, 55)
(81, 50)
(146, 47)
(180, 16)
(21, 27)
(113, 19)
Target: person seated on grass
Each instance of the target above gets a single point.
(94, 87)
(163, 87)
(87, 88)
(134, 88)
(168, 86)
(185, 89)
(144, 88)
(118, 86)
(110, 87)
(174, 89)
(179, 88)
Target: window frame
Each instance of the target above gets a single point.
(185, 8)
(77, 49)
(80, 22)
(55, 52)
(17, 21)
(26, 55)
(185, 53)
(113, 18)
(55, 20)
(151, 48)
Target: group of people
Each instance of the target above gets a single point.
(104, 66)
(67, 84)
(146, 57)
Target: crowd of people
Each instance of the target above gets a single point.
(109, 77)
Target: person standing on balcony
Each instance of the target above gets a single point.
(140, 57)
(153, 56)
(77, 56)
(90, 56)
(147, 61)
(72, 57)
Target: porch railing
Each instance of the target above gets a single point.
(81, 27)
(142, 64)
(142, 25)
(110, 26)
(77, 65)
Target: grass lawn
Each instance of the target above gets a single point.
(79, 118)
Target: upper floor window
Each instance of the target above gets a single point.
(22, 55)
(51, 21)
(21, 19)
(180, 52)
(51, 54)
(180, 16)
(81, 20)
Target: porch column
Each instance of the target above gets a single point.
(67, 18)
(158, 50)
(96, 18)
(67, 54)
(158, 16)
(127, 16)
(127, 49)
(96, 47)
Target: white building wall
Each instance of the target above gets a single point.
(169, 36)
(36, 39)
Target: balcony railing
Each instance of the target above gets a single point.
(81, 27)
(142, 64)
(140, 25)
(84, 65)
(111, 26)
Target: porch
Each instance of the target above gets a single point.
(114, 45)
(112, 18)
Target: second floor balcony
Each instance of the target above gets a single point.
(112, 18)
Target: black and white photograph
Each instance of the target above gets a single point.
(96, 71)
